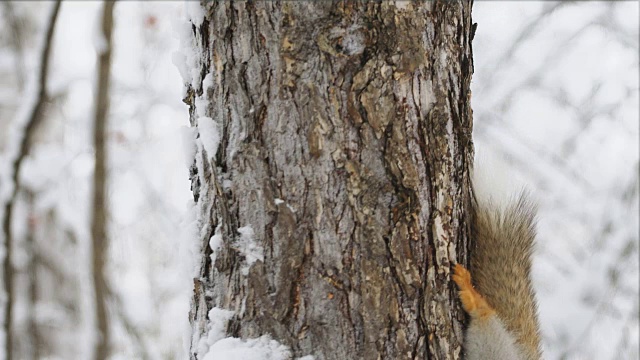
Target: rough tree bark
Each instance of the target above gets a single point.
(345, 145)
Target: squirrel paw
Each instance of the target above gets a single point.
(472, 302)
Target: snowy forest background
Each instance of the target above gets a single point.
(555, 94)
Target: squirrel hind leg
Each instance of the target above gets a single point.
(472, 301)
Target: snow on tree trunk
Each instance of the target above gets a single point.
(332, 147)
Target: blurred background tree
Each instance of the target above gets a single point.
(555, 93)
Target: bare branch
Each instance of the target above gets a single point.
(99, 217)
(16, 41)
(34, 117)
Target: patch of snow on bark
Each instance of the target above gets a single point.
(180, 61)
(262, 348)
(189, 147)
(195, 12)
(209, 135)
(201, 106)
(248, 247)
(215, 242)
(188, 249)
(216, 330)
(188, 57)
(215, 346)
(207, 83)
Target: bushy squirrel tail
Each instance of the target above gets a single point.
(504, 237)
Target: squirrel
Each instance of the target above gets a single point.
(501, 300)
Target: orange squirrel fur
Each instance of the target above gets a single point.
(502, 307)
(472, 302)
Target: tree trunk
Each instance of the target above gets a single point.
(331, 176)
(99, 217)
(18, 149)
(34, 336)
